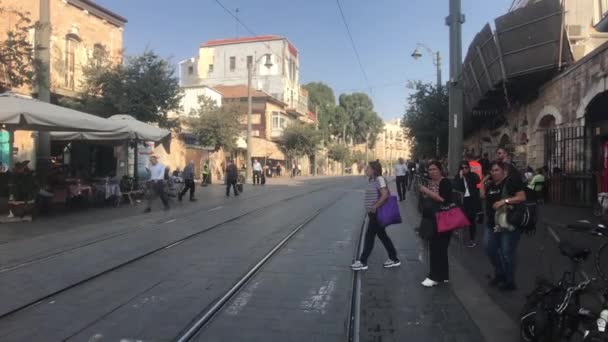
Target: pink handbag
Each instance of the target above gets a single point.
(451, 219)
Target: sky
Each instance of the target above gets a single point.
(385, 33)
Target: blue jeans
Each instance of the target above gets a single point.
(501, 248)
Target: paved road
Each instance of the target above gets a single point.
(150, 277)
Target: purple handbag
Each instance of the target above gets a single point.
(388, 213)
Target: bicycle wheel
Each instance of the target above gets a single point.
(598, 211)
(601, 262)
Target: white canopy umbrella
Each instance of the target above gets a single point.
(18, 112)
(132, 130)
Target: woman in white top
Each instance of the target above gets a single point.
(376, 194)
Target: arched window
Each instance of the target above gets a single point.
(99, 54)
(72, 42)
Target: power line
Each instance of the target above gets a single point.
(352, 42)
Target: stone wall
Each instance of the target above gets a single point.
(562, 102)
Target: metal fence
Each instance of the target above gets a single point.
(571, 180)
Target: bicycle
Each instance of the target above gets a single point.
(554, 312)
(601, 206)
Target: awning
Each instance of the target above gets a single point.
(18, 112)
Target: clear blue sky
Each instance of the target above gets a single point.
(385, 32)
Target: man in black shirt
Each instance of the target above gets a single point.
(501, 189)
(485, 164)
(505, 156)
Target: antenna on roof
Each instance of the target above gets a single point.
(236, 17)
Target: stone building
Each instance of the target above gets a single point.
(554, 117)
(80, 31)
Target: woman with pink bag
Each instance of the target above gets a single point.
(439, 192)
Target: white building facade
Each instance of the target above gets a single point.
(276, 66)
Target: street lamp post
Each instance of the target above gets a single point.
(456, 101)
(436, 59)
(437, 62)
(268, 64)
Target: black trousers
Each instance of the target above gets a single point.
(257, 175)
(231, 183)
(401, 187)
(188, 184)
(374, 229)
(470, 211)
(438, 250)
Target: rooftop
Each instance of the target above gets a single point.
(238, 91)
(99, 11)
(218, 42)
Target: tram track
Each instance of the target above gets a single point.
(171, 244)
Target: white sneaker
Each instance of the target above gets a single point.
(429, 283)
(358, 266)
(391, 263)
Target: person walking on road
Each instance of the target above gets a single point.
(188, 176)
(205, 174)
(232, 175)
(156, 184)
(466, 182)
(439, 193)
(401, 173)
(501, 189)
(375, 196)
(257, 172)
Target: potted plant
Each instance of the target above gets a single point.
(23, 190)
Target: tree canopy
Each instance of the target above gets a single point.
(426, 119)
(319, 95)
(144, 87)
(215, 126)
(300, 139)
(18, 67)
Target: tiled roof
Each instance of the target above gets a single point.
(217, 42)
(238, 91)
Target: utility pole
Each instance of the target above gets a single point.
(248, 171)
(456, 101)
(43, 148)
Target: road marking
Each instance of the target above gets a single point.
(216, 208)
(170, 221)
(173, 245)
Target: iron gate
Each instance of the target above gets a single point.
(568, 156)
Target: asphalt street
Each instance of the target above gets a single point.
(135, 277)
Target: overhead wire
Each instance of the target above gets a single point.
(354, 46)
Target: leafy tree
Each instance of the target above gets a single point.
(145, 87)
(300, 140)
(319, 95)
(340, 153)
(426, 119)
(215, 126)
(365, 124)
(18, 67)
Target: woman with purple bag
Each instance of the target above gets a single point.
(439, 193)
(376, 194)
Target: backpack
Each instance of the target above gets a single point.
(524, 215)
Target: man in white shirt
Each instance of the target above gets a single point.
(156, 184)
(401, 173)
(257, 172)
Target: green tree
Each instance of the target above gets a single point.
(144, 87)
(18, 67)
(300, 139)
(364, 122)
(319, 95)
(340, 153)
(426, 119)
(215, 126)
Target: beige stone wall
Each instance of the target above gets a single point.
(566, 98)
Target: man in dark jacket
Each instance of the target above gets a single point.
(232, 174)
(188, 176)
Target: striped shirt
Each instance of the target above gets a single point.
(372, 191)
